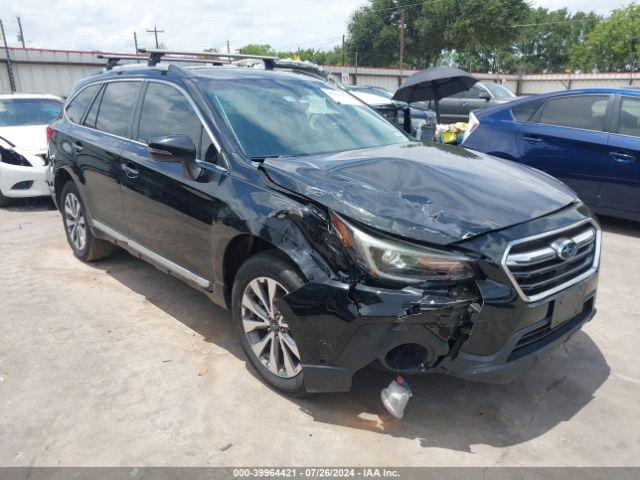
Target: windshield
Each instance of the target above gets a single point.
(498, 91)
(28, 111)
(272, 117)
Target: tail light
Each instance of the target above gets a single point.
(471, 126)
(50, 131)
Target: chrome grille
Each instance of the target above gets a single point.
(538, 270)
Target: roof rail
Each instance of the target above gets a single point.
(155, 57)
(113, 60)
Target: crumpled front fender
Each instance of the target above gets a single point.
(340, 328)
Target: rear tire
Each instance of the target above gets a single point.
(84, 244)
(264, 335)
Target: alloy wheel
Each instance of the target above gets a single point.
(75, 221)
(266, 330)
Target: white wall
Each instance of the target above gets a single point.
(56, 71)
(46, 71)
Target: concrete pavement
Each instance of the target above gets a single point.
(118, 364)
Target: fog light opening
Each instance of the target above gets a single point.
(26, 185)
(409, 356)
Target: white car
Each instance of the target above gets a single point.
(23, 144)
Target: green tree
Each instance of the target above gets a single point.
(463, 24)
(374, 32)
(544, 44)
(431, 27)
(548, 37)
(480, 58)
(257, 49)
(613, 44)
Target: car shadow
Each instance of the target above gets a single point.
(38, 204)
(620, 226)
(444, 412)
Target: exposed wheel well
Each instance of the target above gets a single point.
(238, 251)
(62, 177)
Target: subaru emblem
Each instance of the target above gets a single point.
(565, 248)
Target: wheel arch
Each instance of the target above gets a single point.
(290, 243)
(61, 177)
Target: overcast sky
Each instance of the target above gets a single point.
(197, 24)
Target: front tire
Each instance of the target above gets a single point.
(4, 201)
(84, 244)
(264, 334)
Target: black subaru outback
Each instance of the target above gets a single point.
(335, 239)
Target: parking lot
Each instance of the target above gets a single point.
(116, 363)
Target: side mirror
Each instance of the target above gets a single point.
(172, 148)
(177, 148)
(484, 96)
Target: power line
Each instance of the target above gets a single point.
(550, 23)
(155, 32)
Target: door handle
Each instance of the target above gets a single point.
(130, 172)
(77, 147)
(622, 157)
(531, 140)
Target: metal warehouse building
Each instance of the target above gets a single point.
(55, 71)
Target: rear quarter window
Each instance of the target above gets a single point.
(525, 111)
(76, 107)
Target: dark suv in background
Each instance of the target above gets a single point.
(334, 238)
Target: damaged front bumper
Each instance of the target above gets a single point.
(23, 181)
(341, 328)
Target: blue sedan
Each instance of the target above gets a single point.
(589, 139)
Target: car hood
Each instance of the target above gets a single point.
(28, 138)
(426, 192)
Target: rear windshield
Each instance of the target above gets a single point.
(273, 117)
(28, 111)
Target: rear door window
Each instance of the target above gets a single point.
(629, 120)
(586, 112)
(474, 92)
(117, 107)
(76, 107)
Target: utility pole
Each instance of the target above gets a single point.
(355, 76)
(155, 32)
(21, 33)
(343, 53)
(402, 21)
(135, 41)
(12, 80)
(228, 49)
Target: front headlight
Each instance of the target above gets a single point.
(401, 262)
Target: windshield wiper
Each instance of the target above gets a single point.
(262, 159)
